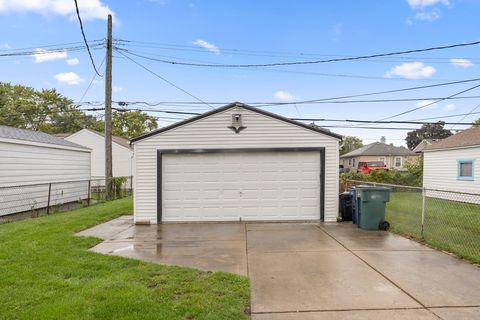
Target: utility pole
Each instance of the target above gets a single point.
(108, 113)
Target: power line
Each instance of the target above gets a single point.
(466, 115)
(296, 119)
(165, 80)
(246, 52)
(432, 103)
(85, 39)
(250, 65)
(91, 82)
(296, 71)
(45, 52)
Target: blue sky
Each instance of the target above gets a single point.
(264, 32)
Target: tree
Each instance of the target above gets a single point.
(49, 111)
(427, 131)
(131, 124)
(350, 143)
(476, 123)
(45, 110)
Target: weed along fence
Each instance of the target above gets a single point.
(446, 220)
(24, 201)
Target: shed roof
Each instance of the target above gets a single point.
(242, 105)
(379, 149)
(35, 136)
(465, 138)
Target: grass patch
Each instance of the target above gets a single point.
(47, 273)
(449, 225)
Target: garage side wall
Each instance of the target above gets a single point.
(440, 170)
(212, 133)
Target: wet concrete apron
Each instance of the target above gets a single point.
(310, 271)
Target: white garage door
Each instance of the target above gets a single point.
(246, 186)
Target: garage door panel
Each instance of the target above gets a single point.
(247, 186)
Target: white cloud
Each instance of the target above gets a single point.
(204, 44)
(6, 45)
(411, 70)
(449, 107)
(89, 9)
(425, 16)
(97, 82)
(337, 28)
(73, 61)
(425, 104)
(42, 55)
(283, 96)
(416, 4)
(70, 78)
(465, 63)
(116, 88)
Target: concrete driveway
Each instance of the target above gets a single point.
(311, 271)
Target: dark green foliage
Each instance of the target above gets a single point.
(427, 131)
(413, 176)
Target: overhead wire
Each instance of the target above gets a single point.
(85, 39)
(361, 57)
(164, 79)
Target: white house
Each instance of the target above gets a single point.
(453, 164)
(236, 163)
(122, 153)
(30, 160)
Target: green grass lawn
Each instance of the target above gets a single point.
(47, 273)
(449, 225)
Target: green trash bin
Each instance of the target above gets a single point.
(371, 203)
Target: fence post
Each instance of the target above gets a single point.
(48, 200)
(423, 212)
(88, 193)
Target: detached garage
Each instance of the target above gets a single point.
(236, 163)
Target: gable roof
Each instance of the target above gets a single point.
(424, 143)
(124, 142)
(465, 138)
(242, 105)
(379, 149)
(36, 136)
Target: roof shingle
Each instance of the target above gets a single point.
(35, 136)
(379, 149)
(465, 138)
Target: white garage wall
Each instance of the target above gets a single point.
(211, 132)
(122, 162)
(440, 169)
(27, 163)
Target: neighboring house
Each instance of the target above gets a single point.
(425, 143)
(393, 157)
(30, 160)
(236, 163)
(453, 164)
(122, 153)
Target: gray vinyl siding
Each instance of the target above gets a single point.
(212, 132)
(23, 165)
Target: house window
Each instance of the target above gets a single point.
(349, 162)
(353, 160)
(398, 162)
(465, 169)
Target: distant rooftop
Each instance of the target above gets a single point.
(35, 136)
(465, 138)
(379, 149)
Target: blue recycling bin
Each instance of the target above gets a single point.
(353, 192)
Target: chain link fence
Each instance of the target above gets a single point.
(447, 220)
(27, 201)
